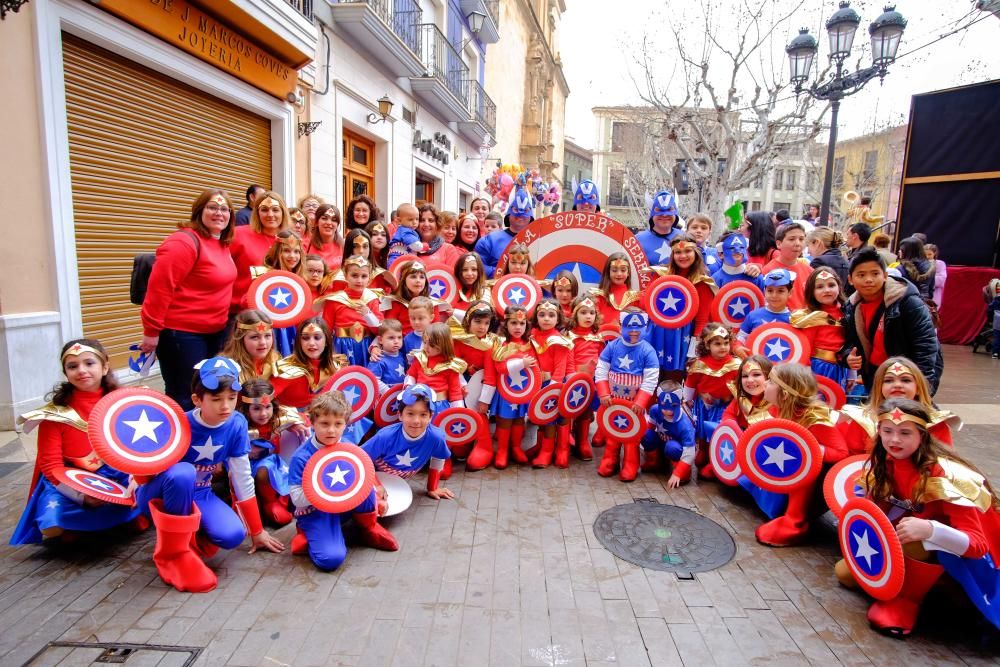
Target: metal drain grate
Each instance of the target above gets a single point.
(105, 653)
(664, 537)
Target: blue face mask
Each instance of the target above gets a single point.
(586, 193)
(523, 205)
(413, 393)
(633, 322)
(732, 246)
(670, 401)
(664, 203)
(211, 371)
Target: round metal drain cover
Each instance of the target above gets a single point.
(664, 537)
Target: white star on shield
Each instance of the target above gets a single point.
(338, 476)
(776, 456)
(517, 379)
(99, 484)
(279, 297)
(621, 422)
(437, 288)
(775, 349)
(516, 295)
(670, 301)
(738, 307)
(576, 396)
(865, 549)
(458, 428)
(352, 395)
(143, 427)
(727, 453)
(550, 405)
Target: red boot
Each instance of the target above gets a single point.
(516, 446)
(701, 457)
(652, 459)
(562, 446)
(482, 453)
(375, 534)
(609, 462)
(581, 429)
(176, 563)
(598, 440)
(300, 544)
(544, 457)
(203, 546)
(792, 526)
(503, 447)
(897, 617)
(273, 506)
(446, 470)
(706, 471)
(630, 463)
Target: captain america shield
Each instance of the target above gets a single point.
(518, 387)
(386, 409)
(459, 425)
(544, 407)
(734, 302)
(441, 282)
(871, 549)
(843, 482)
(609, 331)
(397, 265)
(618, 423)
(94, 485)
(722, 452)
(338, 478)
(577, 395)
(830, 392)
(139, 431)
(285, 297)
(780, 343)
(671, 301)
(516, 289)
(779, 455)
(360, 387)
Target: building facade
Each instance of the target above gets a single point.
(524, 75)
(579, 165)
(872, 166)
(793, 182)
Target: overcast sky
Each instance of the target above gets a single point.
(601, 43)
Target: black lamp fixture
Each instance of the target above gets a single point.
(475, 20)
(14, 5)
(886, 32)
(384, 109)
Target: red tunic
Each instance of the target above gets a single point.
(826, 337)
(587, 347)
(298, 392)
(610, 305)
(339, 315)
(332, 253)
(713, 376)
(736, 413)
(59, 444)
(802, 271)
(475, 358)
(509, 350)
(554, 353)
(445, 382)
(834, 447)
(248, 249)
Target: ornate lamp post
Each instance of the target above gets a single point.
(886, 32)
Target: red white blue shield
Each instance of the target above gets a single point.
(779, 342)
(618, 423)
(734, 302)
(843, 482)
(577, 395)
(360, 387)
(609, 331)
(94, 485)
(338, 478)
(830, 392)
(397, 265)
(544, 407)
(671, 301)
(460, 425)
(779, 455)
(516, 289)
(518, 387)
(722, 452)
(871, 549)
(139, 431)
(441, 282)
(285, 297)
(386, 409)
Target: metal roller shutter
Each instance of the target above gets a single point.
(142, 147)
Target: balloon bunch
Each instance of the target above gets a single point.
(505, 178)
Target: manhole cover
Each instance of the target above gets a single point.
(664, 537)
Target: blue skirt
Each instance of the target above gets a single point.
(772, 504)
(284, 340)
(707, 418)
(277, 471)
(47, 508)
(670, 345)
(500, 408)
(356, 351)
(980, 579)
(836, 373)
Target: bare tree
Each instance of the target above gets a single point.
(730, 115)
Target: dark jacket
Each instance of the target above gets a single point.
(921, 274)
(834, 260)
(908, 330)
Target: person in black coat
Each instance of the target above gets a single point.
(916, 267)
(887, 317)
(824, 245)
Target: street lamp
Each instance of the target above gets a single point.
(886, 32)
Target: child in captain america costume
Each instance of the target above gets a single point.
(663, 228)
(777, 288)
(403, 449)
(734, 264)
(627, 368)
(319, 534)
(671, 434)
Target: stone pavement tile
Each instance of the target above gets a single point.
(669, 599)
(317, 646)
(834, 635)
(558, 583)
(474, 640)
(609, 581)
(690, 644)
(446, 633)
(567, 640)
(411, 647)
(221, 647)
(629, 649)
(794, 623)
(659, 644)
(581, 569)
(758, 573)
(505, 637)
(722, 597)
(536, 638)
(721, 642)
(740, 587)
(594, 631)
(694, 593)
(532, 583)
(775, 637)
(479, 589)
(30, 637)
(640, 595)
(380, 647)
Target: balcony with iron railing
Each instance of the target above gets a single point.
(482, 122)
(388, 30)
(444, 85)
(304, 7)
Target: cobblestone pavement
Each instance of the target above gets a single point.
(510, 573)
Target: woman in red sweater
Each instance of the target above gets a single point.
(190, 288)
(429, 228)
(252, 242)
(326, 240)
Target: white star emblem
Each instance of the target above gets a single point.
(400, 370)
(405, 460)
(517, 295)
(517, 379)
(458, 428)
(52, 504)
(670, 301)
(663, 252)
(279, 297)
(710, 259)
(550, 404)
(207, 450)
(576, 396)
(865, 549)
(352, 395)
(777, 456)
(625, 362)
(99, 484)
(738, 307)
(776, 350)
(437, 289)
(727, 453)
(143, 427)
(670, 358)
(338, 476)
(621, 422)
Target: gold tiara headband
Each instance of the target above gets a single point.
(518, 316)
(547, 305)
(562, 282)
(897, 417)
(825, 275)
(469, 259)
(259, 327)
(258, 400)
(356, 260)
(718, 332)
(416, 266)
(684, 245)
(784, 385)
(750, 365)
(290, 240)
(620, 262)
(586, 303)
(77, 349)
(899, 369)
(313, 328)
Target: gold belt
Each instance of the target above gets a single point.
(824, 355)
(355, 333)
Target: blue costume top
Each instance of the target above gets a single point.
(411, 342)
(404, 241)
(491, 247)
(759, 316)
(711, 258)
(212, 446)
(390, 370)
(656, 246)
(395, 452)
(628, 369)
(676, 438)
(723, 277)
